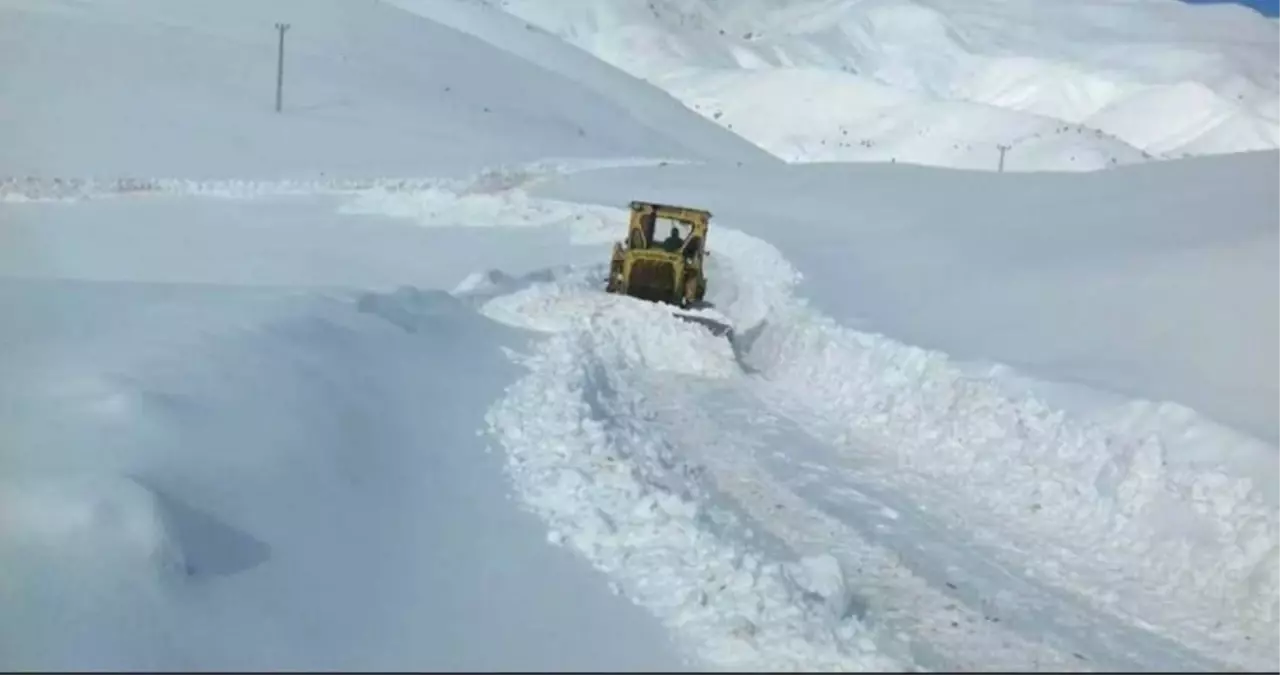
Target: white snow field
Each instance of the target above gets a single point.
(1066, 86)
(186, 90)
(338, 388)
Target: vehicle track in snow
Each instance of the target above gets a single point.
(921, 588)
(723, 427)
(967, 605)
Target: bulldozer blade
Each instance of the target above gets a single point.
(717, 327)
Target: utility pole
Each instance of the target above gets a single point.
(282, 27)
(1003, 149)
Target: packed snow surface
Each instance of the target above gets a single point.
(338, 388)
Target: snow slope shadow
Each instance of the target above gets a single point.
(210, 546)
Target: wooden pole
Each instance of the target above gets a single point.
(282, 27)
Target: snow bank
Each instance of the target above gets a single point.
(88, 520)
(291, 481)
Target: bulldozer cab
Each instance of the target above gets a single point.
(666, 234)
(663, 254)
(673, 229)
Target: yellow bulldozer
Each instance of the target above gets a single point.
(670, 270)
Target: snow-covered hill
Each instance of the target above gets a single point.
(187, 90)
(1065, 86)
(338, 389)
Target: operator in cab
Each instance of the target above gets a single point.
(673, 241)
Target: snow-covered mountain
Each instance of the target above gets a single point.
(337, 387)
(1063, 86)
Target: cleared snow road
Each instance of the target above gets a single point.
(663, 401)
